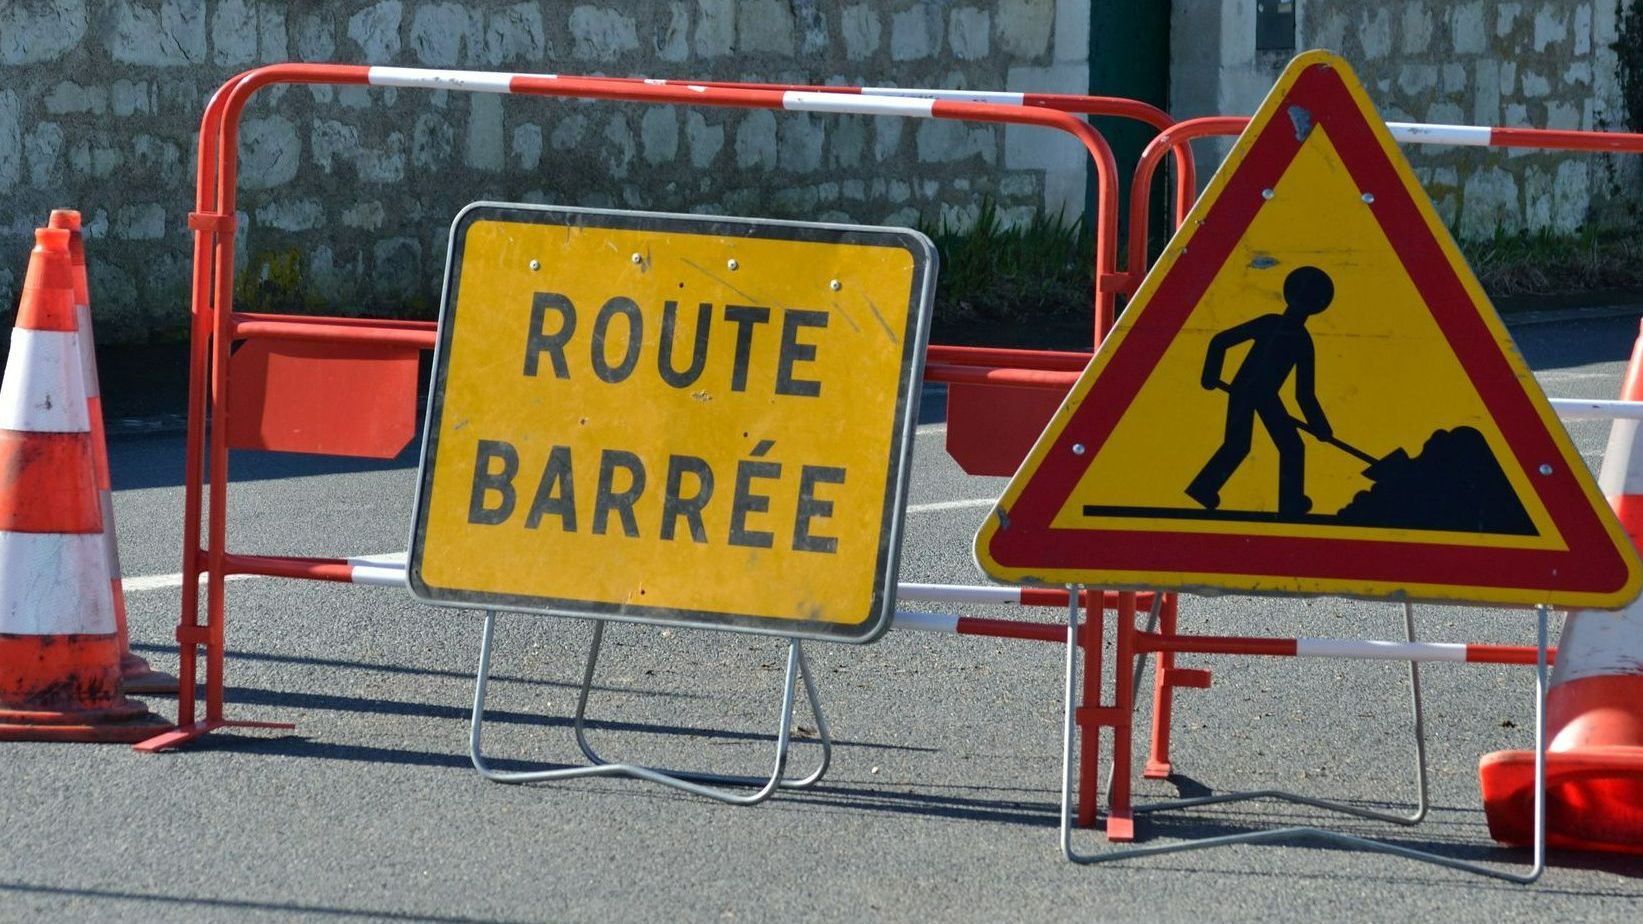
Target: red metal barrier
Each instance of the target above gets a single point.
(350, 342)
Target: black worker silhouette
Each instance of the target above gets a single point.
(1280, 346)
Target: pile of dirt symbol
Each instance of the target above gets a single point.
(1455, 483)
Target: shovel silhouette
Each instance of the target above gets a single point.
(1377, 468)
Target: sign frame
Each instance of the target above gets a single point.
(914, 341)
(1109, 554)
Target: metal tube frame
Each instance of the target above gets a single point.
(1071, 708)
(215, 325)
(693, 782)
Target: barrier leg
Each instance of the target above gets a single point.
(824, 736)
(1538, 858)
(1089, 729)
(687, 782)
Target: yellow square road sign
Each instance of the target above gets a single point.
(673, 419)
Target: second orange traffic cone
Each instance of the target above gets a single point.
(59, 642)
(1594, 709)
(138, 675)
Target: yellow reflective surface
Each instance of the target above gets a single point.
(749, 474)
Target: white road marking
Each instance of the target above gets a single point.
(166, 581)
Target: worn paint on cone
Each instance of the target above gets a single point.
(59, 644)
(138, 675)
(1594, 710)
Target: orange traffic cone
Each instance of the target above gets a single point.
(59, 645)
(1594, 709)
(135, 671)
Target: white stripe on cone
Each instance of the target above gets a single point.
(55, 584)
(44, 388)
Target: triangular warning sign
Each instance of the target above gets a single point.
(1310, 393)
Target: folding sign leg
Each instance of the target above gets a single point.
(1538, 864)
(823, 735)
(687, 782)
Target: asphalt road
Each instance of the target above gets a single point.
(940, 804)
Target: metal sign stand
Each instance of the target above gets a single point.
(1539, 846)
(695, 782)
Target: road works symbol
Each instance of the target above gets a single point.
(673, 419)
(1403, 449)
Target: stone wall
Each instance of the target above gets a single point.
(346, 193)
(1526, 63)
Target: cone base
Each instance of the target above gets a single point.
(1594, 798)
(126, 723)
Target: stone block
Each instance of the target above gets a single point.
(233, 33)
(1579, 72)
(1445, 113)
(43, 148)
(1375, 32)
(170, 36)
(969, 33)
(67, 97)
(673, 38)
(330, 141)
(1582, 28)
(1535, 85)
(515, 34)
(764, 27)
(887, 136)
(483, 150)
(396, 266)
(270, 152)
(756, 141)
(1023, 27)
(860, 26)
(1417, 29)
(375, 29)
(35, 33)
(1489, 204)
(157, 158)
(1506, 17)
(706, 141)
(943, 141)
(599, 34)
(316, 37)
(1551, 25)
(366, 216)
(140, 222)
(385, 164)
(439, 31)
(1072, 31)
(915, 33)
(1562, 116)
(131, 97)
(849, 141)
(527, 146)
(291, 215)
(898, 191)
(433, 140)
(1417, 79)
(619, 145)
(568, 132)
(715, 27)
(1466, 28)
(1571, 195)
(659, 134)
(1454, 78)
(811, 21)
(273, 38)
(1486, 94)
(802, 139)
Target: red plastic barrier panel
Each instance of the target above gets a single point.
(340, 399)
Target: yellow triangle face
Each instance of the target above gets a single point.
(1311, 394)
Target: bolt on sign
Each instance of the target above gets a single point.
(1310, 393)
(673, 419)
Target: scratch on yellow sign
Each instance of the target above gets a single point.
(675, 419)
